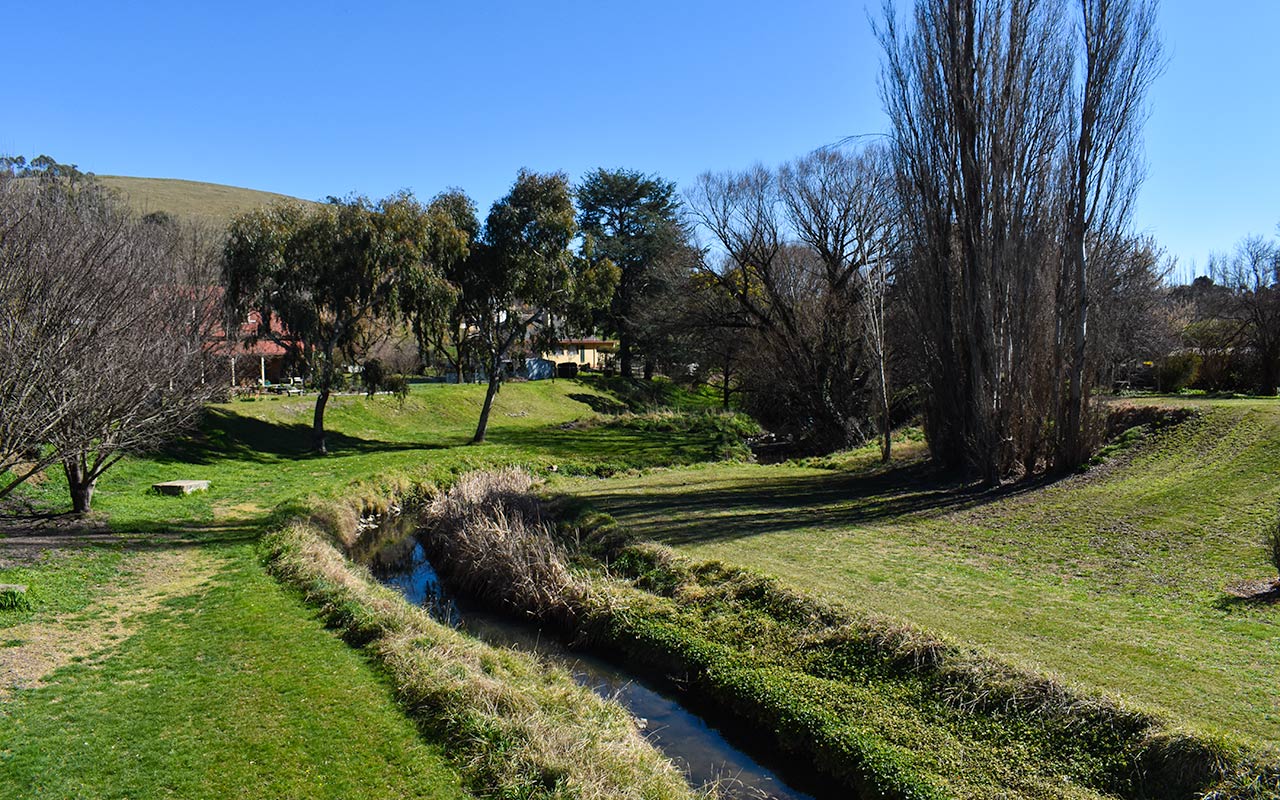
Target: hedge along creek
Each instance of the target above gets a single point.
(394, 554)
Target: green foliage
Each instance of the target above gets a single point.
(1176, 371)
(326, 273)
(14, 600)
(632, 221)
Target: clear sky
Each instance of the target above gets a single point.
(319, 98)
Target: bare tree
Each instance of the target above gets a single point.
(1119, 56)
(1015, 129)
(1252, 273)
(103, 351)
(798, 247)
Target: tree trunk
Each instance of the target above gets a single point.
(624, 353)
(318, 438)
(648, 369)
(494, 382)
(80, 485)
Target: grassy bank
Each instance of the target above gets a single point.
(189, 673)
(878, 708)
(1114, 581)
(138, 683)
(514, 727)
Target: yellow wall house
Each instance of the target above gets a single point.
(589, 353)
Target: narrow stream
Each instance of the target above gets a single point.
(396, 557)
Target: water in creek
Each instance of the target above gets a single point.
(396, 557)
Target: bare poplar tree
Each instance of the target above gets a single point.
(1015, 130)
(1118, 56)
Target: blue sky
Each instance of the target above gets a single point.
(320, 98)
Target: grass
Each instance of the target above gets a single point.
(212, 203)
(233, 690)
(878, 708)
(256, 453)
(1113, 581)
(233, 687)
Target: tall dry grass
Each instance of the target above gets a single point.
(488, 540)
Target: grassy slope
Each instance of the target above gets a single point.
(255, 453)
(238, 687)
(1113, 581)
(208, 202)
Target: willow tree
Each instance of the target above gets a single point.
(323, 274)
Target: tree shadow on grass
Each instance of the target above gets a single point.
(600, 404)
(726, 511)
(26, 539)
(226, 435)
(1247, 594)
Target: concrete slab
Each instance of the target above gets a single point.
(181, 487)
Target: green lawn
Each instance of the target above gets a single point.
(231, 687)
(232, 690)
(1114, 580)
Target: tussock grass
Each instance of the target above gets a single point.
(515, 728)
(489, 541)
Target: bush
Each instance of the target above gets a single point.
(1176, 371)
(567, 369)
(373, 375)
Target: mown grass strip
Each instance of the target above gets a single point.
(233, 690)
(515, 728)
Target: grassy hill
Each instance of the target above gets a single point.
(208, 202)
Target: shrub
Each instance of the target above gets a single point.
(1176, 371)
(373, 375)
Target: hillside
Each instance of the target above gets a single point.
(208, 202)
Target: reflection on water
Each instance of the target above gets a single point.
(397, 558)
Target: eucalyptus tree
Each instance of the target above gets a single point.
(633, 220)
(525, 273)
(323, 273)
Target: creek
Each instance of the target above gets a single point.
(397, 558)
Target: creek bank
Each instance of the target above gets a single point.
(395, 554)
(875, 707)
(512, 726)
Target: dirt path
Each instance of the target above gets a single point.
(148, 579)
